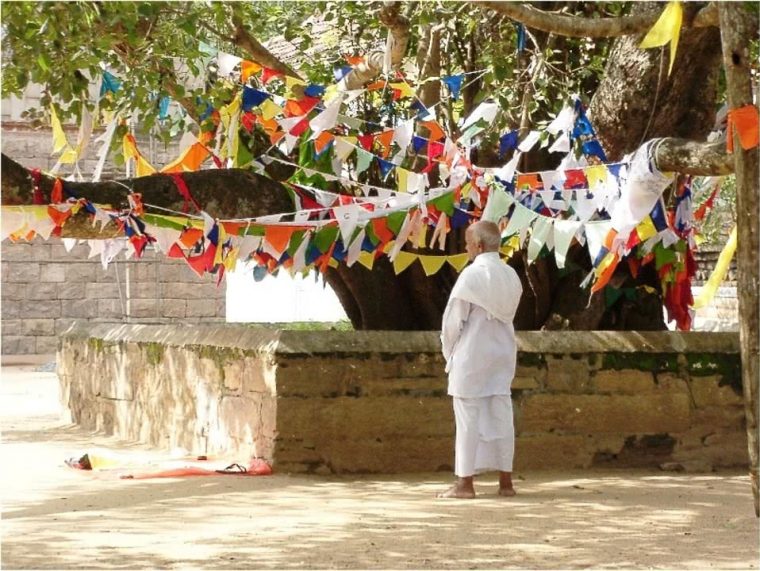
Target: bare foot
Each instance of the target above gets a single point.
(507, 492)
(458, 492)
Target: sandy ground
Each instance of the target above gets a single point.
(57, 517)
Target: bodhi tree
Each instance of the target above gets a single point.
(527, 58)
(158, 50)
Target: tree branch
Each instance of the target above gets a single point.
(694, 158)
(579, 27)
(257, 51)
(255, 194)
(398, 24)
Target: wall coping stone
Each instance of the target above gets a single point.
(293, 342)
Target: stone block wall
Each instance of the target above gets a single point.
(45, 289)
(372, 401)
(208, 390)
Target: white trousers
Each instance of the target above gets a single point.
(485, 438)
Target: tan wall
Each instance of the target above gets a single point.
(45, 289)
(376, 401)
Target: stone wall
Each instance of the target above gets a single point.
(376, 401)
(45, 289)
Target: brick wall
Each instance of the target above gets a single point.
(45, 288)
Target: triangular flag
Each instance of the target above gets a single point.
(596, 232)
(520, 220)
(269, 109)
(367, 259)
(402, 136)
(497, 205)
(436, 132)
(402, 261)
(564, 231)
(385, 166)
(561, 145)
(454, 84)
(459, 261)
(363, 160)
(431, 264)
(247, 69)
(542, 230)
(344, 146)
(564, 121)
(666, 29)
(347, 217)
(529, 141)
(269, 74)
(327, 118)
(355, 249)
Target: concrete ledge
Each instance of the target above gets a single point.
(375, 401)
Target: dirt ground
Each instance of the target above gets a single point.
(60, 518)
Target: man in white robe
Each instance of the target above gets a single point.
(479, 346)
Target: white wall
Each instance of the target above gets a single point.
(280, 299)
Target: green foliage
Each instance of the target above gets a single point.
(160, 49)
(718, 223)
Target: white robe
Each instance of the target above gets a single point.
(477, 335)
(479, 346)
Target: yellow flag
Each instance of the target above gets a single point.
(646, 229)
(596, 175)
(68, 157)
(405, 89)
(222, 238)
(718, 274)
(367, 259)
(403, 176)
(270, 109)
(59, 137)
(403, 260)
(431, 264)
(666, 29)
(459, 261)
(144, 168)
(231, 260)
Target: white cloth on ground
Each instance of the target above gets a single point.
(485, 435)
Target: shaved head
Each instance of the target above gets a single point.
(486, 234)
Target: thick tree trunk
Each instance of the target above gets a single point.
(637, 100)
(737, 25)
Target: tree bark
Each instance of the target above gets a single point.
(398, 26)
(736, 27)
(637, 100)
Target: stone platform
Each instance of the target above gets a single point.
(375, 401)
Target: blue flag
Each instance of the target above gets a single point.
(454, 83)
(507, 142)
(253, 97)
(385, 166)
(110, 84)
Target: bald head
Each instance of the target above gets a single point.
(486, 234)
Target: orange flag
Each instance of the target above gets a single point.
(321, 142)
(745, 120)
(436, 132)
(385, 139)
(278, 236)
(248, 68)
(190, 160)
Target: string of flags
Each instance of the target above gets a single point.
(614, 209)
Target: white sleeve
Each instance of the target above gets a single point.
(457, 311)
